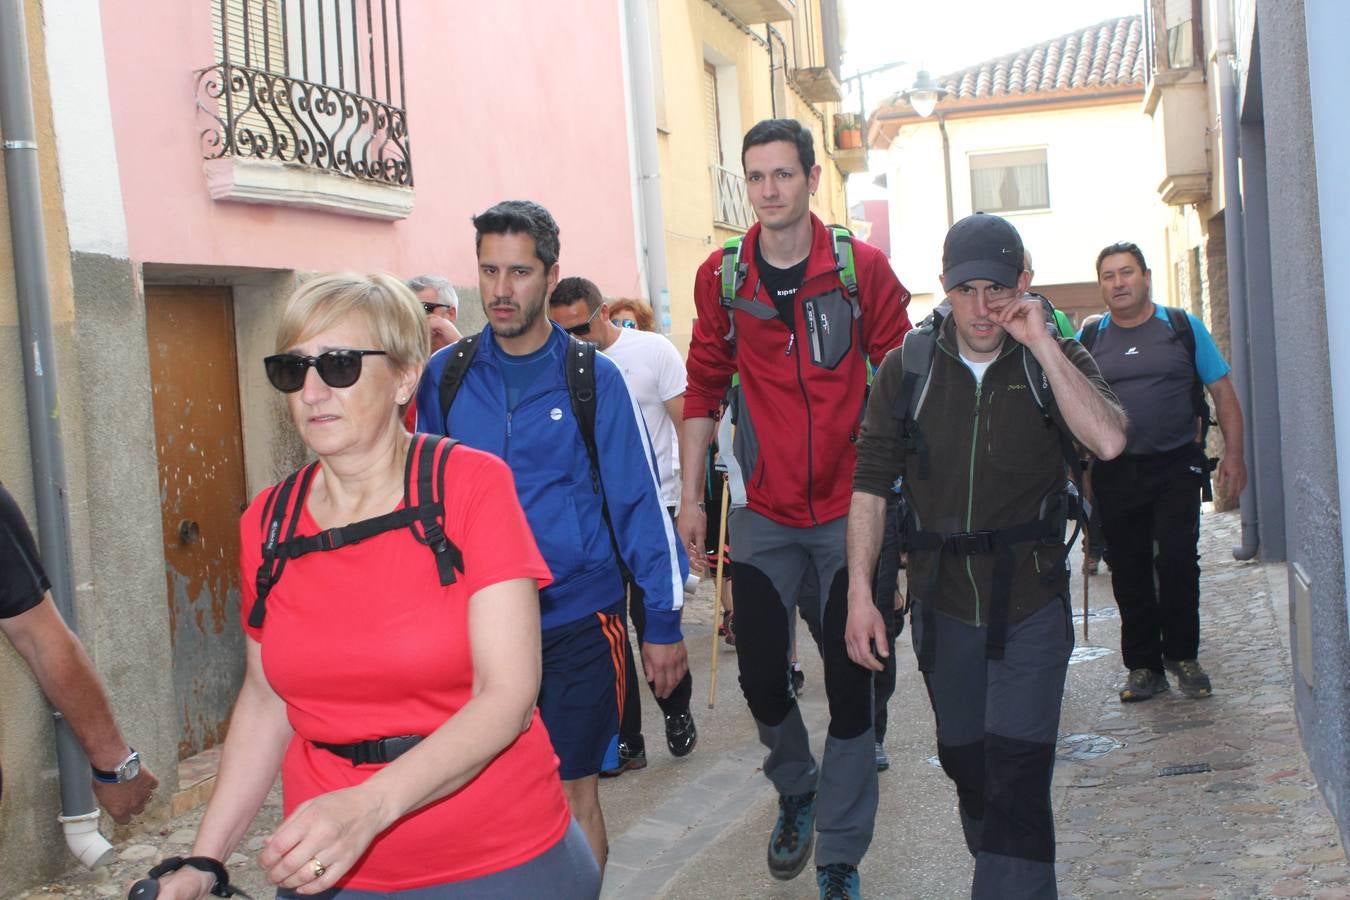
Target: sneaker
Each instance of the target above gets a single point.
(1191, 679)
(681, 735)
(631, 758)
(728, 627)
(1093, 565)
(798, 679)
(838, 881)
(1142, 684)
(793, 835)
(883, 761)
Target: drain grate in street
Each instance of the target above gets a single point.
(1087, 654)
(1083, 747)
(1186, 769)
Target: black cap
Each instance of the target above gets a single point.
(982, 246)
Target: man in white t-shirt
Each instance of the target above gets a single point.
(654, 371)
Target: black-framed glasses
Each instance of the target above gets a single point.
(585, 327)
(337, 368)
(429, 308)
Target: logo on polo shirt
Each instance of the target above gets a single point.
(1133, 351)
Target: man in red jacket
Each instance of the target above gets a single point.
(800, 324)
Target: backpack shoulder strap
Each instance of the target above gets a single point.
(580, 371)
(733, 270)
(461, 355)
(841, 239)
(916, 363)
(281, 513)
(428, 458)
(1090, 333)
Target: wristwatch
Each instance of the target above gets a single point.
(126, 770)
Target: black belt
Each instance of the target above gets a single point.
(382, 750)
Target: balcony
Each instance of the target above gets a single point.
(851, 160)
(757, 12)
(818, 84)
(731, 204)
(1178, 103)
(297, 111)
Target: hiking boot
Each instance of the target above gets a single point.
(838, 881)
(1191, 679)
(883, 761)
(631, 758)
(793, 835)
(798, 679)
(681, 735)
(1142, 684)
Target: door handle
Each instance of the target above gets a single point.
(188, 532)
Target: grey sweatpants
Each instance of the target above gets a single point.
(769, 561)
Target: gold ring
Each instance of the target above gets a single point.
(319, 868)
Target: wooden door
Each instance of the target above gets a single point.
(195, 382)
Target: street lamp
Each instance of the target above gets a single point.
(923, 98)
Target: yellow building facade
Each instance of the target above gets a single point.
(722, 66)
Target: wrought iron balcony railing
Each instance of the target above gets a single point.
(256, 114)
(731, 204)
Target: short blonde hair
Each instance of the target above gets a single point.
(396, 319)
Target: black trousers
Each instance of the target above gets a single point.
(884, 582)
(1150, 506)
(630, 727)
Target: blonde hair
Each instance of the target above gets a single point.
(397, 321)
(642, 312)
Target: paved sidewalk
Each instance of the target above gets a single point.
(1253, 826)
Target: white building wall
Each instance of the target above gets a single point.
(1102, 189)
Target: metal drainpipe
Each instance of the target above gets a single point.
(79, 814)
(946, 167)
(1235, 253)
(649, 158)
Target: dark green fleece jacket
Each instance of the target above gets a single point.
(993, 459)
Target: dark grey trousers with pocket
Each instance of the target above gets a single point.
(997, 723)
(769, 562)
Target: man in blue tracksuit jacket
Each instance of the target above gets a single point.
(513, 401)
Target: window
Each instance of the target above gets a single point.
(1009, 181)
(712, 115)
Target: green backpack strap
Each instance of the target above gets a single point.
(841, 240)
(1065, 326)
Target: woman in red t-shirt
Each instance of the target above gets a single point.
(363, 643)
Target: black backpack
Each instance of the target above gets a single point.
(1181, 331)
(580, 373)
(1057, 509)
(423, 513)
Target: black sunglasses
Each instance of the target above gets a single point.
(585, 327)
(337, 368)
(430, 308)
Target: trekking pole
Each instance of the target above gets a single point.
(717, 588)
(1087, 547)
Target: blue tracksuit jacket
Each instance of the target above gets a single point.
(541, 442)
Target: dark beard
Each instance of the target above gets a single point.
(531, 315)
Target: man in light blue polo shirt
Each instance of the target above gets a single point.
(1149, 496)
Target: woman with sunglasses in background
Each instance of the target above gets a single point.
(632, 314)
(398, 708)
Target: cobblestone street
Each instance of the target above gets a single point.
(1253, 825)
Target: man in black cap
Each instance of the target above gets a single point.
(977, 411)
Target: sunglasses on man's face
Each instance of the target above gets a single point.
(337, 368)
(430, 308)
(585, 327)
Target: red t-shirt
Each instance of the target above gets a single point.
(363, 642)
